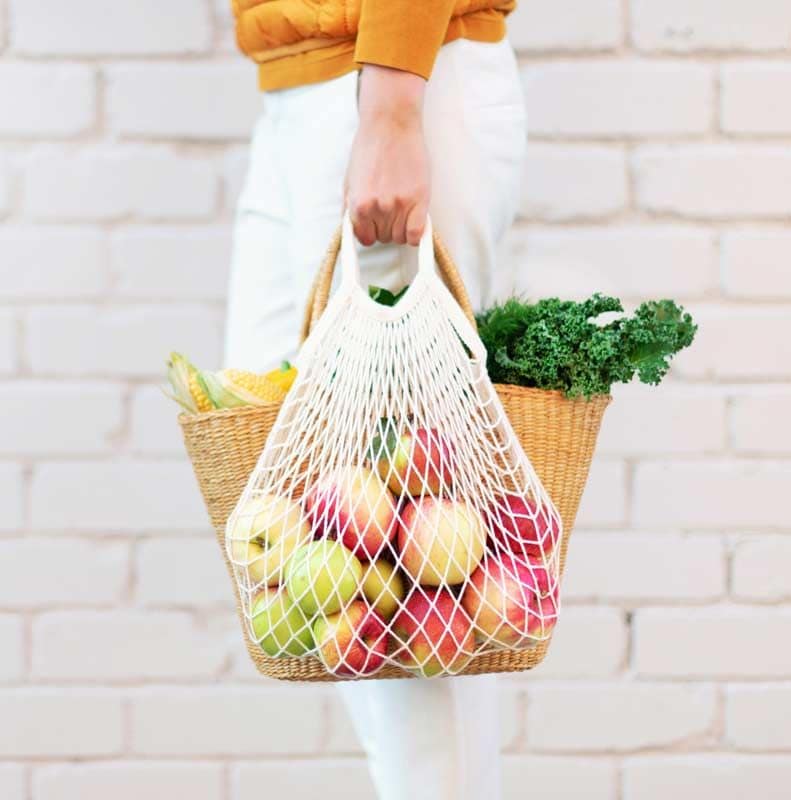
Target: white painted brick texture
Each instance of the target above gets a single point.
(659, 166)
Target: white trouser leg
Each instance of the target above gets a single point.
(433, 739)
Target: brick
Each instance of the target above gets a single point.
(621, 717)
(546, 25)
(559, 778)
(12, 646)
(228, 721)
(714, 181)
(13, 783)
(690, 25)
(598, 175)
(44, 573)
(643, 567)
(755, 264)
(50, 100)
(122, 496)
(711, 494)
(674, 420)
(11, 489)
(169, 100)
(51, 262)
(758, 344)
(171, 263)
(130, 341)
(155, 429)
(760, 422)
(587, 643)
(760, 569)
(724, 777)
(303, 780)
(116, 183)
(619, 99)
(8, 342)
(122, 645)
(129, 781)
(160, 581)
(41, 722)
(756, 717)
(744, 106)
(627, 262)
(720, 642)
(55, 418)
(604, 500)
(135, 27)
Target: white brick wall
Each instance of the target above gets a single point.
(659, 166)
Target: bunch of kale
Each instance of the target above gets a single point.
(557, 344)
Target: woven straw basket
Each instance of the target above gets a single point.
(557, 433)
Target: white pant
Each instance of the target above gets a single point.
(425, 740)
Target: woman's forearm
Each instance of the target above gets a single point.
(387, 181)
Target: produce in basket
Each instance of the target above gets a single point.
(266, 532)
(557, 344)
(198, 391)
(353, 641)
(279, 625)
(419, 558)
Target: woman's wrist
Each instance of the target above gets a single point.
(390, 95)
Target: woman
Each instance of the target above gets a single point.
(393, 109)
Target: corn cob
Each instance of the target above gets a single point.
(231, 388)
(187, 392)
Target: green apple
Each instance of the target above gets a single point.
(383, 587)
(279, 626)
(322, 577)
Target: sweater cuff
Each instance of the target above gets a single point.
(402, 34)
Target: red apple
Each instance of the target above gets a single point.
(412, 462)
(503, 601)
(520, 527)
(356, 505)
(353, 641)
(440, 541)
(435, 633)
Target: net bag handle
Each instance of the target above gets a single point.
(322, 285)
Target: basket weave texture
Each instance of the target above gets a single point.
(557, 433)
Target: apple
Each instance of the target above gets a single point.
(440, 541)
(323, 576)
(435, 632)
(357, 505)
(411, 462)
(263, 534)
(519, 526)
(503, 600)
(383, 588)
(279, 626)
(353, 641)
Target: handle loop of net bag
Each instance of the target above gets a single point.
(392, 517)
(322, 285)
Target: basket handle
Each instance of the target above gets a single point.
(320, 290)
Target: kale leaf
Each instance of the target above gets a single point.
(558, 344)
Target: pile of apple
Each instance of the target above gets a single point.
(387, 559)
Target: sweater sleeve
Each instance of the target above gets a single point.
(402, 34)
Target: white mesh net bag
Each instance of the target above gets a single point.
(393, 517)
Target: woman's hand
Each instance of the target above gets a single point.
(387, 180)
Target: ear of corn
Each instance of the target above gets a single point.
(231, 388)
(182, 376)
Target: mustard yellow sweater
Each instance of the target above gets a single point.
(305, 41)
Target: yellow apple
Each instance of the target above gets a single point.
(383, 587)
